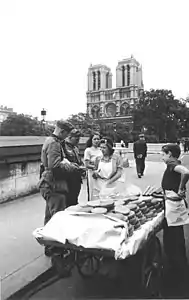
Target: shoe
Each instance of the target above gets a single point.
(139, 175)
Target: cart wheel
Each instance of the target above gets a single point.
(63, 263)
(152, 269)
(87, 265)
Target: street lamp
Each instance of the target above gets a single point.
(43, 116)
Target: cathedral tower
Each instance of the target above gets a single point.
(114, 104)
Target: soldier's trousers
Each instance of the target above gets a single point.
(54, 202)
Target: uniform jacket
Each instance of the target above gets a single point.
(54, 175)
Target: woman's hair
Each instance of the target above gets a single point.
(109, 143)
(173, 148)
(89, 142)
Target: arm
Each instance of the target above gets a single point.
(87, 158)
(115, 177)
(184, 178)
(54, 157)
(119, 169)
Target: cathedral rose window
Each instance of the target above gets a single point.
(110, 110)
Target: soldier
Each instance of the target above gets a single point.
(71, 151)
(53, 183)
(140, 153)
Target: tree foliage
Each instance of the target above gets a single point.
(84, 122)
(161, 115)
(23, 125)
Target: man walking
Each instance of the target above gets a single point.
(140, 153)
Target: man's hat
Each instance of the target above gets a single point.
(75, 133)
(67, 126)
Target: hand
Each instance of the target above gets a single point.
(66, 164)
(182, 193)
(108, 183)
(95, 175)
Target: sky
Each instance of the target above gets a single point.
(47, 46)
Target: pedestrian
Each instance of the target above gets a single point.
(53, 183)
(174, 179)
(108, 175)
(91, 152)
(140, 153)
(71, 152)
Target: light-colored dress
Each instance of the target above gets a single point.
(90, 155)
(107, 169)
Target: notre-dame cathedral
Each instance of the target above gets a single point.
(113, 105)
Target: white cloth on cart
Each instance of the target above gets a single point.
(96, 231)
(82, 229)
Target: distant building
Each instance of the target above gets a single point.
(113, 105)
(5, 112)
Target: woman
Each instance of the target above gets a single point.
(91, 153)
(109, 177)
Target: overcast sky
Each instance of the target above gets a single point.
(46, 47)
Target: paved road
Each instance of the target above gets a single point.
(78, 288)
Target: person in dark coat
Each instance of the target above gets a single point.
(71, 152)
(140, 153)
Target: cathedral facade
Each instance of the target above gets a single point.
(113, 105)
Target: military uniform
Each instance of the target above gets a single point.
(53, 184)
(71, 152)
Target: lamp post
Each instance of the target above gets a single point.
(43, 116)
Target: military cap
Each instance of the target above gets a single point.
(75, 133)
(141, 135)
(64, 125)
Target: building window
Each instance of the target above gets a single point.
(128, 75)
(94, 81)
(123, 76)
(107, 78)
(98, 80)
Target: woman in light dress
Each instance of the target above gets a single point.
(108, 176)
(91, 153)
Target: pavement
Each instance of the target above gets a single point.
(22, 258)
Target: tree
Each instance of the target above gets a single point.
(84, 122)
(161, 114)
(23, 125)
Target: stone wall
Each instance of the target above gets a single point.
(18, 179)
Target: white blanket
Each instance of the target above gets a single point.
(82, 229)
(96, 231)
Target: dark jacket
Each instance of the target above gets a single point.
(140, 148)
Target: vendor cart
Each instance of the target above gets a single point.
(145, 261)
